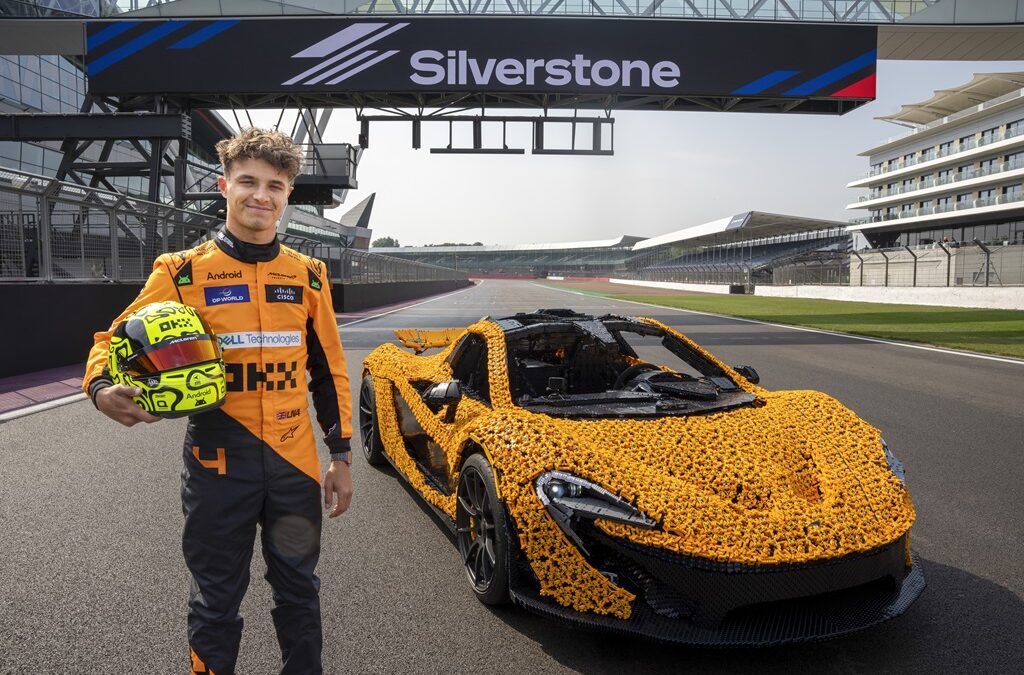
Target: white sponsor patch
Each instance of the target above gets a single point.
(258, 339)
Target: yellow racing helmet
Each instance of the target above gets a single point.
(168, 350)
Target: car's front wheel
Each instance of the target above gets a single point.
(369, 430)
(482, 531)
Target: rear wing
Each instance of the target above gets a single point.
(421, 340)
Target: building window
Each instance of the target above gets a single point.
(945, 148)
(967, 142)
(1015, 128)
(965, 171)
(989, 135)
(987, 166)
(1013, 191)
(1015, 161)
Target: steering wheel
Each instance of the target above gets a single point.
(631, 372)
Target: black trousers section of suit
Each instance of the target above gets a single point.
(235, 483)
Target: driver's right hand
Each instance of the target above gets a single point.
(116, 403)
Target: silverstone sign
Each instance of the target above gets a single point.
(498, 54)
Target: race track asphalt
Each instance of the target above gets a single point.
(92, 578)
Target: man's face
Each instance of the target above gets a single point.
(256, 194)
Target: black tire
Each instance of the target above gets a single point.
(482, 532)
(369, 430)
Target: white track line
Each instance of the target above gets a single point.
(377, 316)
(40, 407)
(954, 352)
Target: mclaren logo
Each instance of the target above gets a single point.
(345, 53)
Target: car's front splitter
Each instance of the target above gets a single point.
(817, 617)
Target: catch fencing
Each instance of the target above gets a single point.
(978, 264)
(53, 231)
(940, 264)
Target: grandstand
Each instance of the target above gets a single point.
(745, 249)
(599, 258)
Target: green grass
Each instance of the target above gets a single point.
(994, 331)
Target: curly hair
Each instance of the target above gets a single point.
(273, 147)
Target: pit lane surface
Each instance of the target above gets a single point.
(92, 579)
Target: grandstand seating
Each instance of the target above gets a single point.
(728, 264)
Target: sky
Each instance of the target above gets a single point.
(670, 170)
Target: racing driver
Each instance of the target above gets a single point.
(253, 460)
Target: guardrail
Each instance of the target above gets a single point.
(53, 231)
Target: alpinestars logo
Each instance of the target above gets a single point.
(344, 54)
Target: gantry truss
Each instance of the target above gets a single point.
(841, 11)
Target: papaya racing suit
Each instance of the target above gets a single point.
(254, 460)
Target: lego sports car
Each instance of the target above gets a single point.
(610, 472)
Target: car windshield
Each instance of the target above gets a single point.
(613, 367)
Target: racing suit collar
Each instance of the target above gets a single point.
(244, 251)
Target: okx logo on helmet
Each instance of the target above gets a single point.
(167, 350)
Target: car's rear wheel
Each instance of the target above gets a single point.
(482, 531)
(369, 430)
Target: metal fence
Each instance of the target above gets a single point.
(940, 264)
(824, 271)
(348, 266)
(732, 273)
(52, 231)
(57, 231)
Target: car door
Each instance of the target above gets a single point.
(451, 405)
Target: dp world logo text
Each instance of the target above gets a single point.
(345, 53)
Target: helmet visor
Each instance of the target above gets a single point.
(176, 353)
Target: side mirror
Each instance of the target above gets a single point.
(443, 393)
(749, 373)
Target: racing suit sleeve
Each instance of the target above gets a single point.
(328, 380)
(159, 286)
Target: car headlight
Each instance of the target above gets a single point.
(569, 497)
(895, 465)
